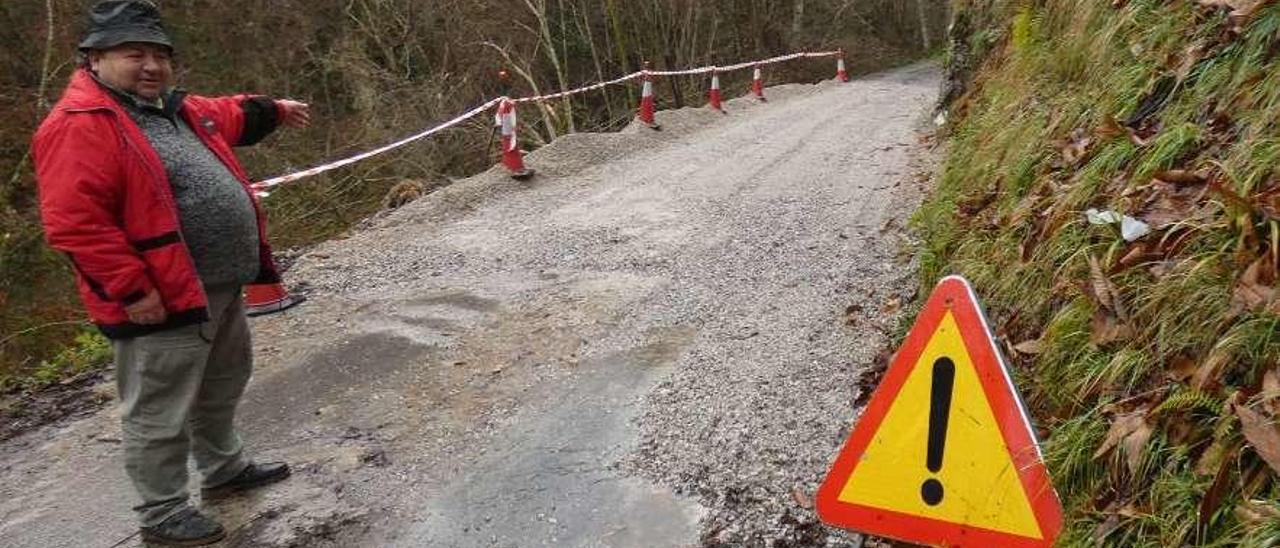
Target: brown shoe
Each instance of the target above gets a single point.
(253, 476)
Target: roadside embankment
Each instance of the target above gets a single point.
(1112, 192)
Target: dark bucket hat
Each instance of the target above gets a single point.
(115, 22)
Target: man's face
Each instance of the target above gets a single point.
(139, 68)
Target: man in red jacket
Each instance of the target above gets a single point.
(140, 188)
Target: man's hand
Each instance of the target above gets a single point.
(148, 311)
(296, 114)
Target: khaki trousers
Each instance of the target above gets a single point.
(179, 390)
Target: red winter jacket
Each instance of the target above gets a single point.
(106, 202)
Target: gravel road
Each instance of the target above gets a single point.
(656, 342)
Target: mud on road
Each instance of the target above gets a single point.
(656, 342)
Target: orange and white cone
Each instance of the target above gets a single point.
(757, 84)
(512, 157)
(714, 97)
(268, 298)
(647, 100)
(841, 73)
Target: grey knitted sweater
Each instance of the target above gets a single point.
(219, 224)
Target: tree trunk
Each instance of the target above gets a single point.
(924, 24)
(797, 20)
(669, 60)
(539, 10)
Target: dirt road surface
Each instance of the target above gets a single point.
(656, 342)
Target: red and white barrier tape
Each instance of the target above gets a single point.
(581, 90)
(747, 65)
(262, 186)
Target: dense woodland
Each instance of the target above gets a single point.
(376, 70)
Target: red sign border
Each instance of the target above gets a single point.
(955, 295)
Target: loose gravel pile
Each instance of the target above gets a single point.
(799, 305)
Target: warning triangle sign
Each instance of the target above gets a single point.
(944, 453)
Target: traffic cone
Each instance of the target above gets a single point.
(714, 96)
(841, 74)
(757, 85)
(512, 157)
(268, 298)
(647, 101)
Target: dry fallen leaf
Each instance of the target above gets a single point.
(1180, 369)
(1139, 252)
(1110, 129)
(1114, 512)
(1268, 202)
(1270, 384)
(1026, 207)
(1174, 201)
(1108, 296)
(1262, 435)
(1100, 285)
(1229, 195)
(1075, 147)
(1220, 451)
(1031, 347)
(1134, 445)
(1107, 328)
(1182, 177)
(1108, 525)
(975, 205)
(1269, 396)
(1131, 432)
(1191, 56)
(1255, 289)
(1240, 7)
(1251, 512)
(1207, 375)
(1212, 499)
(1143, 137)
(1242, 11)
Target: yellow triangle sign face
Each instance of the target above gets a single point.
(980, 482)
(944, 453)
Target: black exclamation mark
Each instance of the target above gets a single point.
(944, 378)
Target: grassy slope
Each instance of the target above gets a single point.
(1149, 353)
